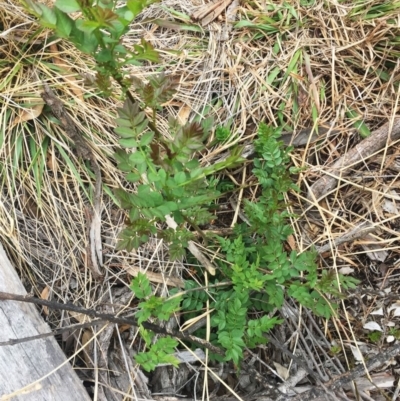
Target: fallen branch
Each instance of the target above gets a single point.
(367, 147)
(358, 231)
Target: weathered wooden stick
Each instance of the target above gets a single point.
(359, 153)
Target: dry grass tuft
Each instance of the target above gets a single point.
(290, 65)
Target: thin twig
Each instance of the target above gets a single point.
(111, 318)
(79, 326)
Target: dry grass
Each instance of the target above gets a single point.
(323, 64)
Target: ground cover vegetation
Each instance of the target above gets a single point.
(161, 173)
(171, 181)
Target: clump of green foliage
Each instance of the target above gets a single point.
(335, 349)
(395, 332)
(153, 306)
(170, 179)
(222, 133)
(375, 336)
(255, 266)
(98, 31)
(255, 269)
